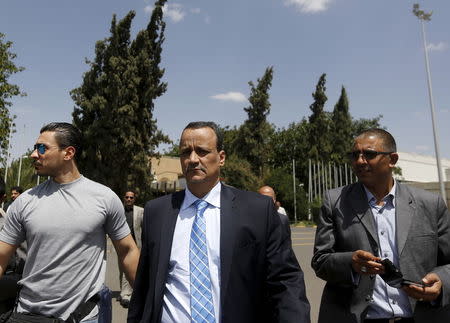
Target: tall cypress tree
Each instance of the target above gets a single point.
(341, 127)
(254, 134)
(115, 103)
(7, 91)
(319, 128)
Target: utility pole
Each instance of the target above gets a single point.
(295, 191)
(423, 16)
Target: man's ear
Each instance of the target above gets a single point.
(222, 157)
(393, 159)
(69, 153)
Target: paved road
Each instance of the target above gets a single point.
(302, 242)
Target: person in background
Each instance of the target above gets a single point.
(134, 215)
(268, 191)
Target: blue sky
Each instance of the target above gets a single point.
(213, 48)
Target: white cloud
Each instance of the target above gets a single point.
(148, 9)
(174, 11)
(230, 96)
(309, 6)
(439, 47)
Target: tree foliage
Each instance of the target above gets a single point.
(253, 136)
(341, 129)
(319, 124)
(115, 103)
(7, 92)
(28, 177)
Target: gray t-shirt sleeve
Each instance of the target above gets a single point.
(13, 231)
(116, 225)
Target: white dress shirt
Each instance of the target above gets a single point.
(177, 298)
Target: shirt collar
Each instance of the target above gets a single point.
(389, 197)
(212, 197)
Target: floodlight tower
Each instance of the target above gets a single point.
(424, 16)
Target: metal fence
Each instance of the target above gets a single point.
(324, 176)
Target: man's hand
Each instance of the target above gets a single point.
(364, 263)
(428, 293)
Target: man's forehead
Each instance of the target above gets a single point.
(46, 136)
(369, 139)
(204, 135)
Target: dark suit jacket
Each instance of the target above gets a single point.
(261, 280)
(346, 224)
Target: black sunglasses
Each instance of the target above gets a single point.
(41, 148)
(367, 154)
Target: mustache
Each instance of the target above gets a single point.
(190, 168)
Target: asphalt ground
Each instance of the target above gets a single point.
(302, 243)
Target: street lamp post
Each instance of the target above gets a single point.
(423, 16)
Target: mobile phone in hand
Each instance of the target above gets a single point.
(406, 282)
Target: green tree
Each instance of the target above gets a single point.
(28, 177)
(7, 92)
(341, 129)
(319, 124)
(253, 136)
(238, 172)
(359, 125)
(281, 181)
(115, 103)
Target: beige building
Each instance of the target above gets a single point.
(167, 174)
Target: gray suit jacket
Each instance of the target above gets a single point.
(346, 224)
(138, 215)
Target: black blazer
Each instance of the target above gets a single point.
(261, 280)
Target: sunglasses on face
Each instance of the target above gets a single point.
(129, 197)
(367, 154)
(41, 148)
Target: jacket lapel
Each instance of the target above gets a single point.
(362, 210)
(404, 211)
(228, 214)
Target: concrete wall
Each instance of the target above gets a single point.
(421, 168)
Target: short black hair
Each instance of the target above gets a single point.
(17, 189)
(132, 191)
(66, 135)
(2, 188)
(388, 140)
(213, 126)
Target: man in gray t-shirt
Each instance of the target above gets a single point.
(64, 222)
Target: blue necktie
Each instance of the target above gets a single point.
(202, 309)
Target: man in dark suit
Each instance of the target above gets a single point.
(213, 253)
(377, 218)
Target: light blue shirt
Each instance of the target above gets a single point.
(177, 298)
(387, 301)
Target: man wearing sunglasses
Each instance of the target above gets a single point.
(64, 222)
(378, 218)
(134, 215)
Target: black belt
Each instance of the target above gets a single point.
(391, 320)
